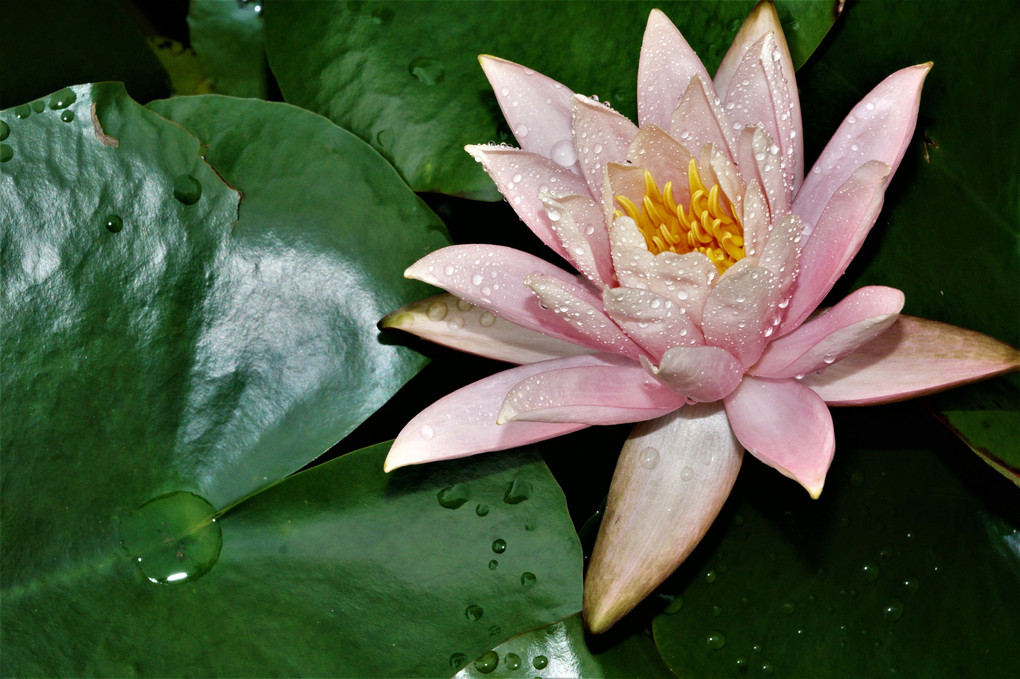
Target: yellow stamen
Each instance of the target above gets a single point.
(709, 224)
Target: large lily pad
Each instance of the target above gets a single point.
(907, 565)
(949, 234)
(403, 75)
(162, 335)
(338, 571)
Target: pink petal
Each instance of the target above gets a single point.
(492, 276)
(699, 119)
(654, 150)
(782, 251)
(601, 135)
(540, 127)
(727, 176)
(705, 374)
(785, 425)
(592, 394)
(577, 223)
(856, 320)
(757, 219)
(762, 22)
(666, 68)
(522, 177)
(673, 476)
(760, 161)
(835, 240)
(912, 358)
(739, 311)
(653, 321)
(464, 422)
(879, 128)
(566, 301)
(454, 323)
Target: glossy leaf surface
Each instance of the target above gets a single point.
(403, 75)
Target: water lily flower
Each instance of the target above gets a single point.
(703, 252)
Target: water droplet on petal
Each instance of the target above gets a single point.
(436, 311)
(649, 458)
(427, 432)
(687, 473)
(563, 153)
(486, 320)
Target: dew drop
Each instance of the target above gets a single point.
(869, 106)
(741, 663)
(710, 576)
(38, 106)
(870, 572)
(540, 662)
(5, 130)
(426, 70)
(715, 641)
(486, 320)
(481, 509)
(476, 279)
(494, 630)
(563, 153)
(788, 608)
(911, 584)
(455, 323)
(687, 473)
(649, 458)
(517, 491)
(427, 432)
(464, 305)
(436, 311)
(113, 223)
(487, 662)
(173, 538)
(528, 580)
(512, 661)
(454, 496)
(67, 116)
(493, 565)
(62, 98)
(473, 612)
(674, 606)
(23, 111)
(6, 152)
(766, 667)
(457, 661)
(187, 190)
(893, 610)
(499, 545)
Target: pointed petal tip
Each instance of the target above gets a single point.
(815, 491)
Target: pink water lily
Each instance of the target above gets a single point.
(704, 252)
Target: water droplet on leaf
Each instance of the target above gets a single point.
(67, 116)
(62, 98)
(540, 662)
(893, 610)
(5, 130)
(457, 660)
(481, 509)
(23, 111)
(426, 70)
(454, 496)
(113, 223)
(473, 612)
(487, 662)
(173, 538)
(715, 641)
(499, 545)
(6, 152)
(517, 491)
(187, 190)
(528, 579)
(512, 661)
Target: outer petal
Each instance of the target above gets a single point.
(596, 394)
(912, 358)
(878, 128)
(856, 320)
(761, 160)
(704, 374)
(672, 479)
(601, 136)
(587, 316)
(785, 425)
(666, 68)
(492, 277)
(536, 107)
(577, 223)
(835, 240)
(523, 177)
(452, 322)
(464, 422)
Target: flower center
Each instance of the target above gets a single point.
(709, 225)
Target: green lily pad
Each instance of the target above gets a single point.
(561, 650)
(47, 44)
(341, 570)
(403, 75)
(907, 565)
(227, 38)
(948, 236)
(162, 335)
